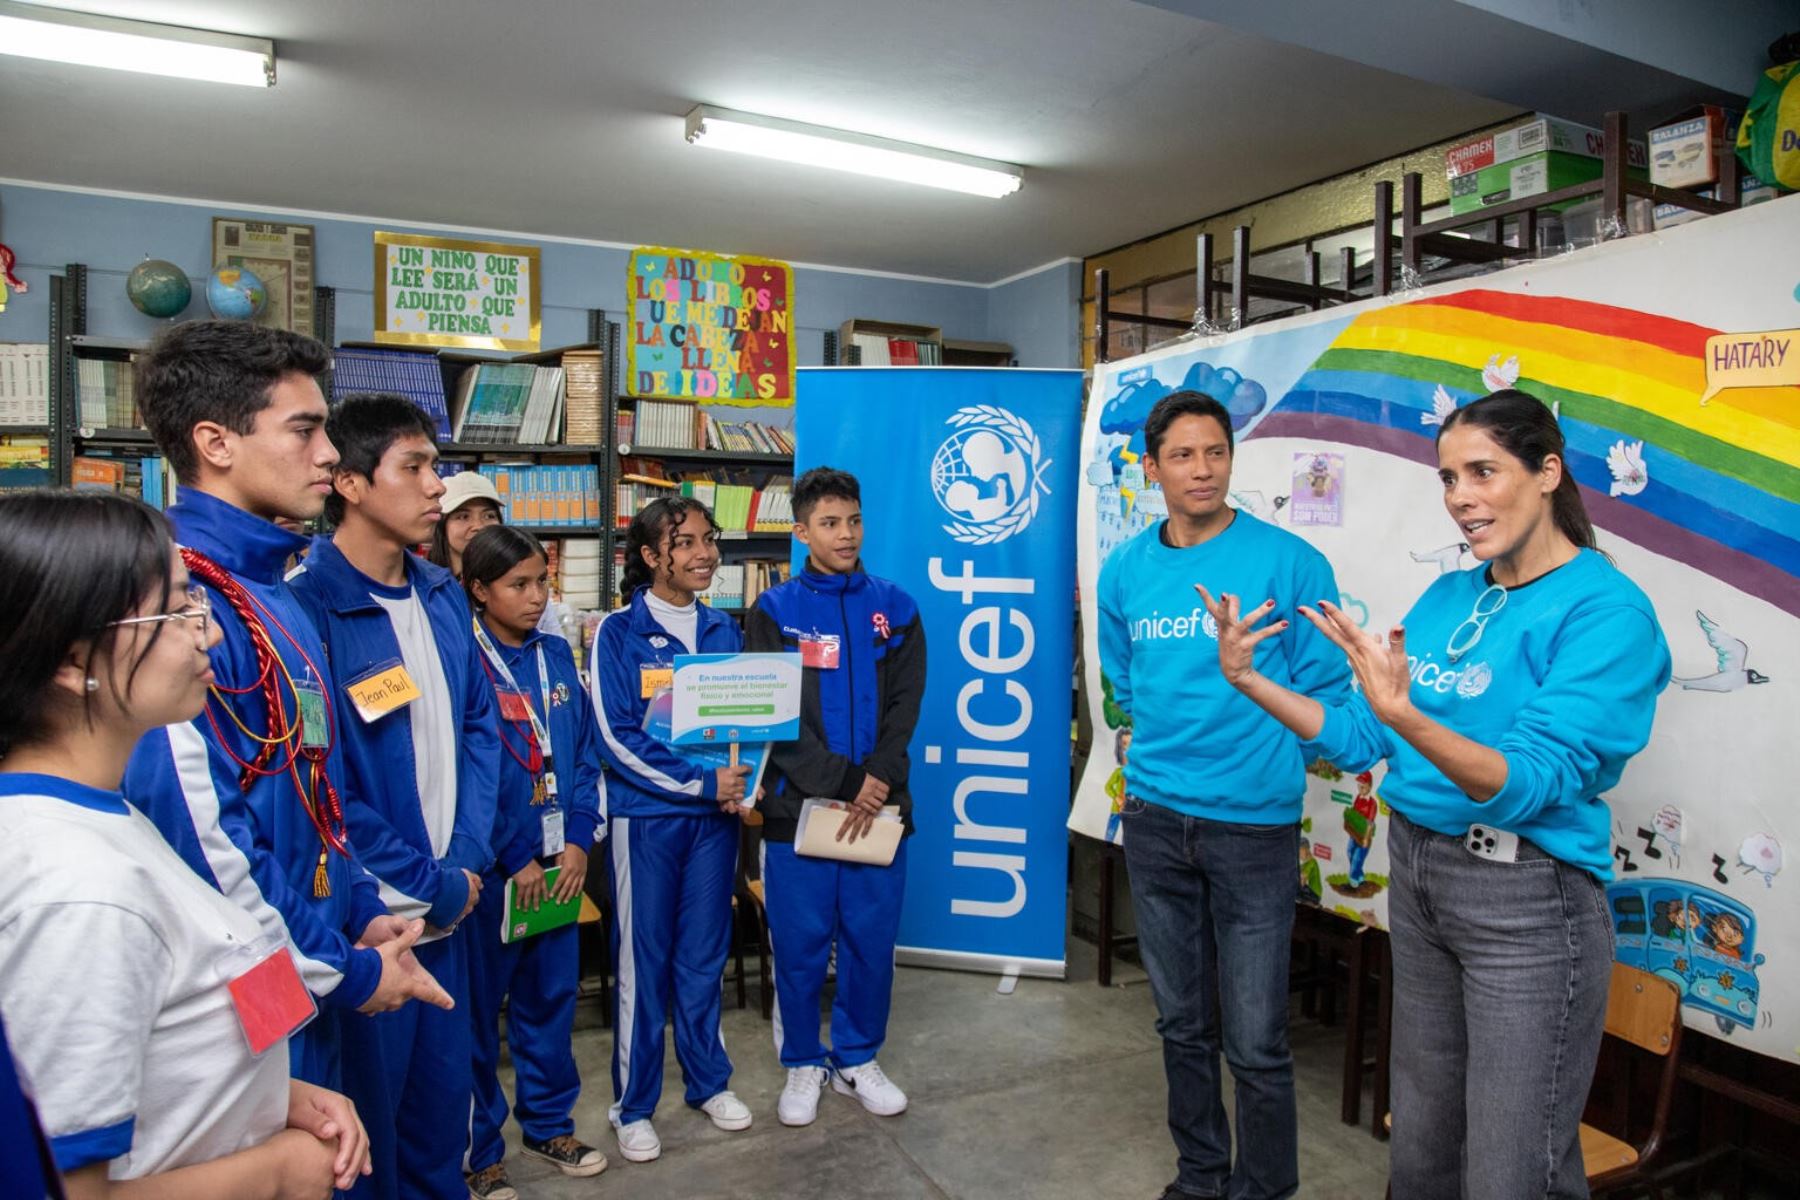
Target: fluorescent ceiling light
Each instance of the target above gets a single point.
(33, 31)
(840, 150)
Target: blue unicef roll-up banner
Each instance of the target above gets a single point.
(968, 491)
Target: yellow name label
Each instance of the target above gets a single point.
(378, 695)
(653, 678)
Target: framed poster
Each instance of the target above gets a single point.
(432, 291)
(282, 257)
(710, 327)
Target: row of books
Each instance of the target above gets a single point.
(880, 351)
(737, 585)
(24, 383)
(742, 508)
(676, 422)
(24, 462)
(400, 372)
(105, 394)
(145, 476)
(547, 493)
(501, 403)
(584, 396)
(667, 425)
(752, 437)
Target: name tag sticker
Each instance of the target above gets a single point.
(271, 1002)
(652, 678)
(382, 691)
(820, 653)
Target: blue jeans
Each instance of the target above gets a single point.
(1215, 911)
(1501, 972)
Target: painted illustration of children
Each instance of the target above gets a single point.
(1671, 918)
(1359, 823)
(1115, 784)
(1725, 935)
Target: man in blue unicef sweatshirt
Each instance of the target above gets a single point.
(1211, 811)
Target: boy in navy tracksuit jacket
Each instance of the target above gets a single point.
(233, 814)
(418, 722)
(672, 831)
(863, 648)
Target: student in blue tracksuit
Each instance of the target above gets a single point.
(418, 723)
(550, 814)
(863, 649)
(1211, 807)
(235, 410)
(672, 827)
(1506, 705)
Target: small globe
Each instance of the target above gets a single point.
(235, 294)
(158, 289)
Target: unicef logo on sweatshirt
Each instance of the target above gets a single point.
(1474, 681)
(988, 475)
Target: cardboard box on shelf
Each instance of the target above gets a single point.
(1687, 151)
(1517, 178)
(1751, 190)
(1539, 135)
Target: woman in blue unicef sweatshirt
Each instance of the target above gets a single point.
(1506, 704)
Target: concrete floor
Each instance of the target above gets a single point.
(1053, 1092)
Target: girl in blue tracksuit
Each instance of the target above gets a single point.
(1506, 706)
(673, 829)
(549, 814)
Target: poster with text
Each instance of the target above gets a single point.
(1677, 387)
(432, 291)
(279, 255)
(710, 327)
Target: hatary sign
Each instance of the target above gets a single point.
(710, 327)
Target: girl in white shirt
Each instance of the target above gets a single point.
(122, 973)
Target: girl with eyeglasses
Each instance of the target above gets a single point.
(1506, 705)
(132, 990)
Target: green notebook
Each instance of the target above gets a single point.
(517, 925)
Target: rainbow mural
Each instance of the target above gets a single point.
(1723, 491)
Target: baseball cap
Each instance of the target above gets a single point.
(465, 486)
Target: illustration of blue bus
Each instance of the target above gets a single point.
(1699, 940)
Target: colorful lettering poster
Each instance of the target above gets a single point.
(711, 327)
(432, 291)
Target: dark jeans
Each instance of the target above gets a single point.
(1501, 972)
(1215, 911)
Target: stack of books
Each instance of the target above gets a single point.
(418, 377)
(546, 494)
(750, 437)
(509, 404)
(881, 351)
(578, 573)
(24, 383)
(668, 425)
(142, 476)
(584, 396)
(104, 389)
(24, 462)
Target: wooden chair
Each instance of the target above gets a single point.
(1643, 1012)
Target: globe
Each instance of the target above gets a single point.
(979, 475)
(235, 294)
(158, 289)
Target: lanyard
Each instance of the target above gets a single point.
(540, 728)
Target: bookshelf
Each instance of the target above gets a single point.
(861, 342)
(962, 353)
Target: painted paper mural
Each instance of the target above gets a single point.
(710, 327)
(1671, 380)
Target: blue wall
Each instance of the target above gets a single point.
(47, 228)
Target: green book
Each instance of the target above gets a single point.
(518, 924)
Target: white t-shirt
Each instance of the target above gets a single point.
(433, 718)
(114, 960)
(683, 623)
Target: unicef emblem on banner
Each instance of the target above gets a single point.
(988, 475)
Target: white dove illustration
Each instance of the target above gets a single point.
(1626, 462)
(1442, 405)
(1733, 675)
(1448, 558)
(1498, 376)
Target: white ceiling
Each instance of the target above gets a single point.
(564, 118)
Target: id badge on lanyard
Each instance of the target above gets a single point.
(315, 727)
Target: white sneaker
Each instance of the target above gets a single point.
(727, 1112)
(799, 1103)
(638, 1141)
(872, 1089)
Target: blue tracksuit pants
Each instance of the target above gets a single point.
(538, 978)
(672, 879)
(408, 1072)
(812, 903)
(315, 1054)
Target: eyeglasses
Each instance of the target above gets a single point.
(198, 608)
(1466, 635)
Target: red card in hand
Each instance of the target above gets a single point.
(271, 1001)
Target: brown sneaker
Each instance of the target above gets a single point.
(571, 1155)
(491, 1183)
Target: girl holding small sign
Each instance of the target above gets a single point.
(548, 817)
(672, 826)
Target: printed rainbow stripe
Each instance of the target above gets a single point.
(1724, 479)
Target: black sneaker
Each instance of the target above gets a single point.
(571, 1156)
(491, 1183)
(1174, 1192)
